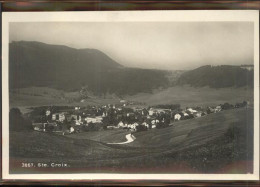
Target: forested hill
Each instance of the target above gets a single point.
(62, 67)
(218, 77)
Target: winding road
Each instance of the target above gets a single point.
(130, 138)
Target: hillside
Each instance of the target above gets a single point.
(61, 67)
(218, 77)
(188, 96)
(204, 145)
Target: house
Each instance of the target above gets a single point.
(217, 109)
(197, 114)
(145, 124)
(153, 126)
(154, 121)
(77, 118)
(191, 110)
(59, 116)
(133, 126)
(72, 129)
(121, 124)
(104, 114)
(48, 112)
(150, 112)
(177, 117)
(77, 108)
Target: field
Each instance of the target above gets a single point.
(186, 96)
(216, 143)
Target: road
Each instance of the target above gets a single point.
(130, 138)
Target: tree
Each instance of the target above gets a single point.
(141, 128)
(17, 122)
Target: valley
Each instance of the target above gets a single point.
(81, 108)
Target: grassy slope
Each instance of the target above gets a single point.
(107, 136)
(190, 96)
(181, 148)
(217, 143)
(191, 131)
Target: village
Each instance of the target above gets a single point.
(67, 120)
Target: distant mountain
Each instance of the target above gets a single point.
(218, 77)
(62, 67)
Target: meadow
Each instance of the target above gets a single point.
(188, 96)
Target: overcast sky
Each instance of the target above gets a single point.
(164, 45)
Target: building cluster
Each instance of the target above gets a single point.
(90, 118)
(249, 67)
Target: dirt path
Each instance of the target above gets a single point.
(130, 138)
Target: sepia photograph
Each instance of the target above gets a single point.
(131, 94)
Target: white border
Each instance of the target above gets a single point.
(127, 16)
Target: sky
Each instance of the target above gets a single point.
(153, 45)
